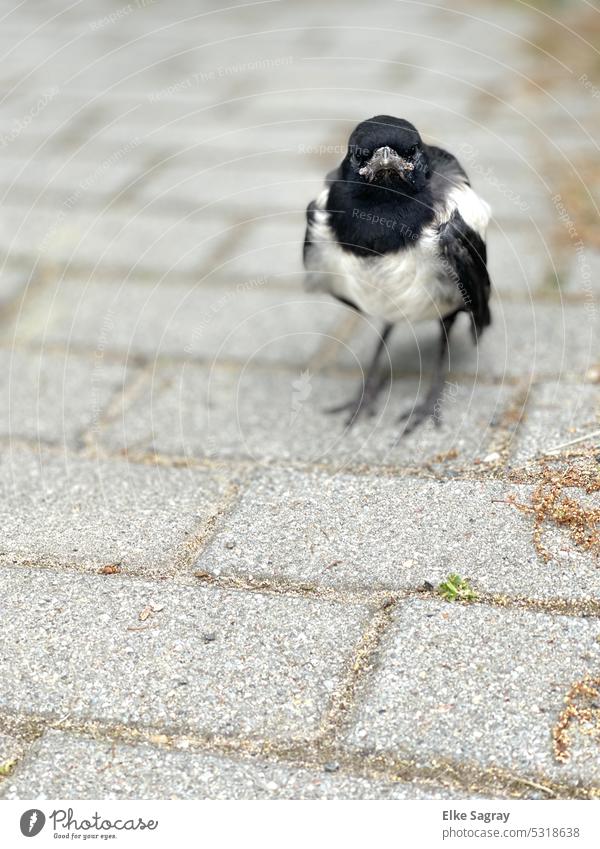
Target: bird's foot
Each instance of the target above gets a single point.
(428, 409)
(364, 404)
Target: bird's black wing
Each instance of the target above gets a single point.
(465, 252)
(446, 171)
(462, 248)
(310, 212)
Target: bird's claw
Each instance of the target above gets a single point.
(356, 407)
(414, 417)
(363, 405)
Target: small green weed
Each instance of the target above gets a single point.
(455, 588)
(7, 767)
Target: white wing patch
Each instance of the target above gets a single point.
(472, 209)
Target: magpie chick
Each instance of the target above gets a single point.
(399, 234)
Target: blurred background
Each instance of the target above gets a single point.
(189, 583)
(156, 161)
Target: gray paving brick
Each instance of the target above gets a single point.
(24, 229)
(556, 413)
(80, 768)
(193, 321)
(526, 339)
(520, 261)
(12, 285)
(267, 246)
(28, 142)
(279, 180)
(60, 510)
(495, 150)
(311, 121)
(253, 413)
(271, 246)
(53, 397)
(120, 240)
(157, 243)
(583, 276)
(77, 181)
(514, 189)
(210, 662)
(568, 107)
(40, 118)
(478, 685)
(228, 121)
(353, 531)
(11, 749)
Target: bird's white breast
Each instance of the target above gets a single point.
(411, 284)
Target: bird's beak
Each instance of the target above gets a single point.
(385, 160)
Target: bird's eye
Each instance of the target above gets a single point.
(412, 150)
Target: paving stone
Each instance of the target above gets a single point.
(492, 151)
(526, 339)
(78, 646)
(253, 413)
(583, 276)
(271, 247)
(564, 106)
(12, 285)
(25, 230)
(322, 125)
(53, 397)
(478, 685)
(515, 199)
(11, 749)
(192, 321)
(88, 61)
(42, 118)
(267, 247)
(74, 767)
(520, 262)
(557, 413)
(28, 142)
(358, 531)
(217, 117)
(76, 181)
(148, 242)
(58, 510)
(279, 180)
(113, 240)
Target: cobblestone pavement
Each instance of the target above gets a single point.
(210, 589)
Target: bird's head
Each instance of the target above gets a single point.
(387, 152)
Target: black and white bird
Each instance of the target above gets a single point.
(399, 234)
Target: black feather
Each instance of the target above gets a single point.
(310, 214)
(466, 255)
(371, 220)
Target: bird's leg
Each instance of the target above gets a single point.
(371, 387)
(430, 407)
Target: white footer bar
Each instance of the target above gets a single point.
(289, 824)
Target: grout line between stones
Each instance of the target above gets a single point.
(315, 755)
(473, 472)
(382, 599)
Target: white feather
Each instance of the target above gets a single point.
(473, 210)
